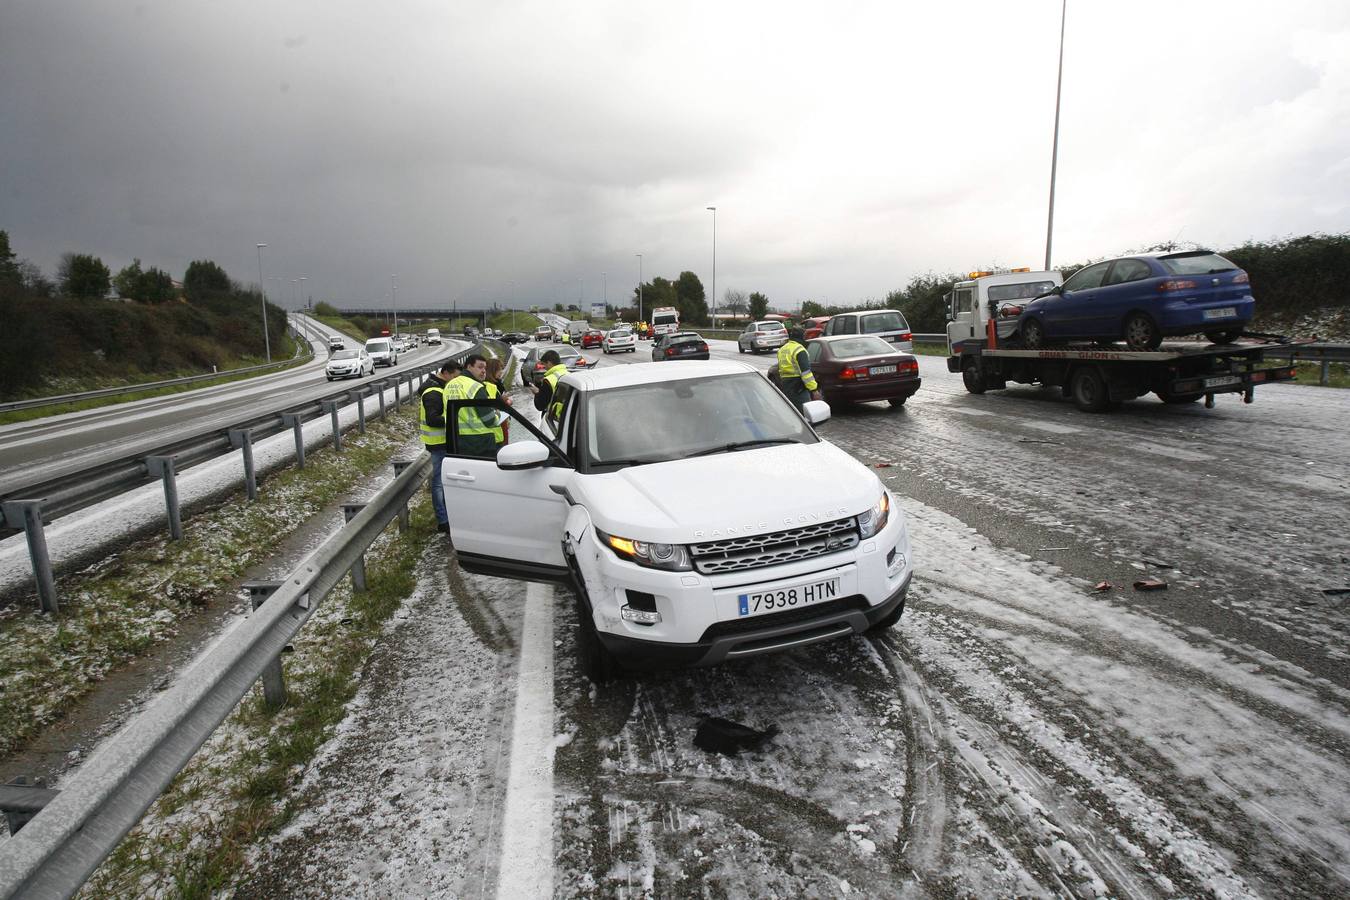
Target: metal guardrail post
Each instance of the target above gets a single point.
(404, 520)
(351, 511)
(294, 423)
(163, 467)
(331, 407)
(398, 397)
(383, 383)
(1326, 372)
(21, 801)
(27, 514)
(273, 682)
(242, 439)
(358, 397)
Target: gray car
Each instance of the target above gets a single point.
(532, 370)
(762, 335)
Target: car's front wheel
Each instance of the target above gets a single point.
(1226, 336)
(1141, 333)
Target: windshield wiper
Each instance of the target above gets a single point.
(744, 445)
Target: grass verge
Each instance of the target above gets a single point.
(125, 605)
(195, 841)
(41, 412)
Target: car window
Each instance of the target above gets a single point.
(844, 325)
(566, 353)
(864, 345)
(345, 354)
(1200, 263)
(963, 300)
(1125, 270)
(1085, 279)
(697, 415)
(1027, 290)
(881, 322)
(377, 346)
(751, 327)
(813, 350)
(563, 396)
(772, 326)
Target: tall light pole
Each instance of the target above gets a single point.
(714, 294)
(303, 279)
(393, 279)
(262, 286)
(1054, 151)
(604, 291)
(639, 256)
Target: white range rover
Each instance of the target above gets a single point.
(695, 514)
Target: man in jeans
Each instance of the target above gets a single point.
(431, 416)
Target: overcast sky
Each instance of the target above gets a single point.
(485, 149)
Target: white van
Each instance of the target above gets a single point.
(382, 351)
(433, 335)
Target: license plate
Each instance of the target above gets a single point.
(761, 602)
(1226, 312)
(881, 370)
(1222, 380)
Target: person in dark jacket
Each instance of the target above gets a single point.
(431, 417)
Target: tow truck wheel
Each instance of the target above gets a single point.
(973, 378)
(1033, 334)
(1223, 337)
(1141, 333)
(1089, 390)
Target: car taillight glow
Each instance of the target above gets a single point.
(848, 374)
(906, 336)
(539, 367)
(911, 366)
(1241, 278)
(1176, 284)
(670, 351)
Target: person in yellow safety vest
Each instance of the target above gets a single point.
(494, 387)
(431, 418)
(795, 378)
(548, 385)
(473, 424)
(566, 337)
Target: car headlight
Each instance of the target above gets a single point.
(671, 557)
(872, 521)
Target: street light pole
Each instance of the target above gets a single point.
(639, 256)
(1054, 152)
(714, 292)
(303, 279)
(393, 279)
(267, 340)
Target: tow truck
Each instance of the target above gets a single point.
(982, 313)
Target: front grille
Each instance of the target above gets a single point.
(786, 617)
(761, 550)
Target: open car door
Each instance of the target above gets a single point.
(507, 520)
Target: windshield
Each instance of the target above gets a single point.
(1196, 264)
(377, 346)
(676, 419)
(663, 318)
(566, 353)
(684, 339)
(769, 326)
(1027, 290)
(620, 332)
(866, 345)
(345, 354)
(878, 323)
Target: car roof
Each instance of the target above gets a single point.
(865, 312)
(652, 373)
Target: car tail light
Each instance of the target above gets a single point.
(848, 374)
(1241, 278)
(1176, 284)
(909, 366)
(539, 367)
(670, 351)
(906, 336)
(703, 348)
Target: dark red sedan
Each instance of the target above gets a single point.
(814, 326)
(592, 338)
(853, 368)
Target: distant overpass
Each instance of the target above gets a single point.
(424, 312)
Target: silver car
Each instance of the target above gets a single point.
(763, 335)
(888, 324)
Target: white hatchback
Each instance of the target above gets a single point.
(617, 340)
(349, 364)
(757, 336)
(678, 544)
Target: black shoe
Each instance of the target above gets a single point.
(442, 526)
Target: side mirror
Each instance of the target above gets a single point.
(522, 455)
(816, 411)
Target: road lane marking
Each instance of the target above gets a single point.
(525, 866)
(1052, 427)
(1171, 452)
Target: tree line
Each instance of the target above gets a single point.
(68, 326)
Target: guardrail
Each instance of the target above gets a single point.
(1323, 352)
(29, 505)
(36, 402)
(78, 826)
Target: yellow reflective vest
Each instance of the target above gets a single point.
(552, 376)
(470, 419)
(498, 432)
(787, 365)
(431, 435)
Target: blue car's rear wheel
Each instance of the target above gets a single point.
(1033, 334)
(1223, 337)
